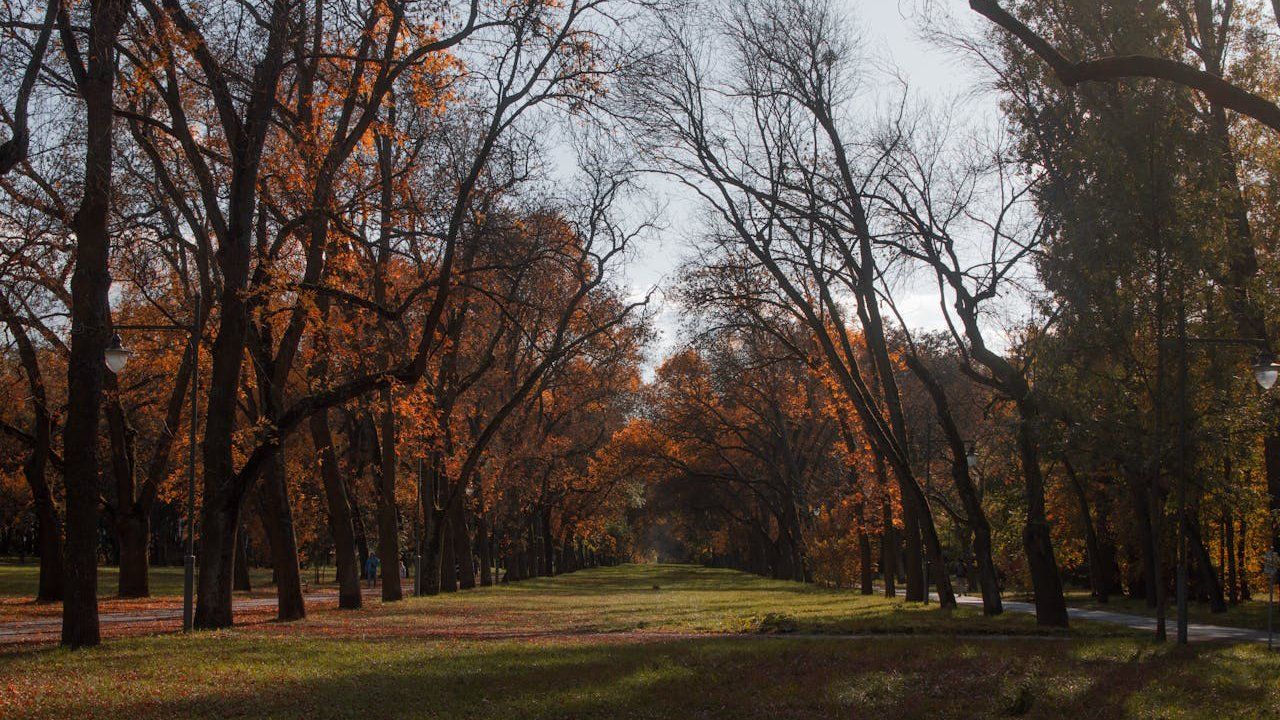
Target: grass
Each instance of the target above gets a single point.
(606, 644)
(21, 580)
(702, 600)
(18, 583)
(1251, 614)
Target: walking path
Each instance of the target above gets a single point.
(1196, 632)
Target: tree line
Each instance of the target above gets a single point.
(335, 221)
(1086, 413)
(382, 243)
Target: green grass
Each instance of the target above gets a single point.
(21, 580)
(1251, 614)
(606, 644)
(696, 599)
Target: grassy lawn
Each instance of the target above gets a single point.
(1251, 614)
(20, 580)
(607, 644)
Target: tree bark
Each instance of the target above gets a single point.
(388, 513)
(448, 555)
(241, 581)
(132, 516)
(1097, 572)
(224, 489)
(1050, 602)
(1242, 559)
(133, 531)
(975, 514)
(888, 535)
(1204, 565)
(34, 469)
(90, 322)
(1229, 544)
(340, 524)
(462, 543)
(866, 570)
(486, 550)
(912, 558)
(277, 518)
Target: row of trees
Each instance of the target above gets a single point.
(404, 336)
(1072, 420)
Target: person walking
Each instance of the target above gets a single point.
(371, 568)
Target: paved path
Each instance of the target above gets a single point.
(1195, 631)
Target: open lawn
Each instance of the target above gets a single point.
(19, 580)
(607, 643)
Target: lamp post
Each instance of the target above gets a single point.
(116, 356)
(417, 549)
(1265, 373)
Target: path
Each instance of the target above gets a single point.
(1196, 632)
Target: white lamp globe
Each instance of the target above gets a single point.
(116, 355)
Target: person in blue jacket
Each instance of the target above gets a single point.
(371, 568)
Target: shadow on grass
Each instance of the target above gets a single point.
(700, 678)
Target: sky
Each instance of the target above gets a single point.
(933, 75)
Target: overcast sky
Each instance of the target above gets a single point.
(933, 75)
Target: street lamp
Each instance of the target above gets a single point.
(116, 356)
(1265, 370)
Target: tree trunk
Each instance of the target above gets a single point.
(448, 555)
(430, 541)
(133, 531)
(1229, 544)
(462, 543)
(486, 550)
(50, 533)
(224, 490)
(534, 567)
(277, 518)
(340, 524)
(1097, 572)
(1204, 564)
(965, 488)
(913, 559)
(1271, 458)
(888, 538)
(1242, 559)
(388, 514)
(241, 581)
(866, 571)
(548, 544)
(218, 520)
(1146, 541)
(90, 329)
(433, 560)
(49, 526)
(1051, 604)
